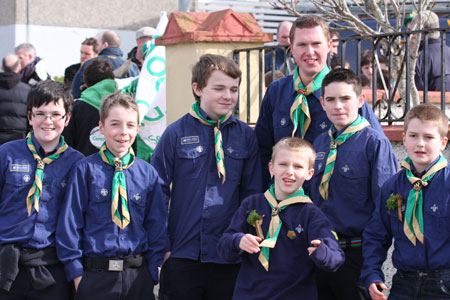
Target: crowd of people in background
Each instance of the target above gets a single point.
(303, 206)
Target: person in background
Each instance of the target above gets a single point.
(88, 51)
(280, 53)
(32, 67)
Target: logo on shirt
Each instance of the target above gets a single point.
(345, 168)
(323, 125)
(199, 149)
(283, 121)
(434, 208)
(299, 228)
(63, 183)
(104, 192)
(137, 197)
(26, 178)
(320, 155)
(291, 234)
(190, 140)
(230, 150)
(19, 168)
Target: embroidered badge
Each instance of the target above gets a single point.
(137, 197)
(104, 192)
(291, 234)
(26, 178)
(19, 168)
(320, 155)
(434, 208)
(283, 121)
(319, 166)
(190, 140)
(230, 150)
(345, 168)
(323, 125)
(299, 228)
(63, 183)
(199, 149)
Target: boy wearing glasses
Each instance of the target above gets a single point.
(33, 176)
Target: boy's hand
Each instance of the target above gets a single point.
(250, 243)
(315, 244)
(374, 291)
(166, 256)
(76, 282)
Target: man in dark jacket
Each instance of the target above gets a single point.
(143, 35)
(108, 48)
(32, 67)
(433, 67)
(13, 101)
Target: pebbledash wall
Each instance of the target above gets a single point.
(56, 27)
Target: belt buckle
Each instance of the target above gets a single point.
(115, 265)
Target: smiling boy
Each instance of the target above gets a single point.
(353, 160)
(208, 162)
(112, 227)
(33, 176)
(303, 240)
(414, 210)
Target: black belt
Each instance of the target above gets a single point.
(114, 264)
(434, 275)
(354, 242)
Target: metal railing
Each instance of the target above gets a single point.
(389, 106)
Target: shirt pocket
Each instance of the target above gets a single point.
(136, 202)
(99, 206)
(234, 161)
(436, 220)
(191, 160)
(281, 127)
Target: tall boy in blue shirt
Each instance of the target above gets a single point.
(33, 176)
(112, 228)
(208, 162)
(414, 210)
(353, 160)
(298, 235)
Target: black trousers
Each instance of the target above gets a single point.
(185, 279)
(129, 284)
(22, 288)
(344, 284)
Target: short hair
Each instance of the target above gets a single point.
(97, 70)
(27, 48)
(310, 21)
(47, 91)
(298, 144)
(114, 99)
(268, 77)
(365, 82)
(335, 62)
(334, 34)
(366, 58)
(426, 112)
(207, 64)
(91, 42)
(11, 67)
(112, 38)
(342, 75)
(430, 20)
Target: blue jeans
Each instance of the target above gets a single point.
(421, 285)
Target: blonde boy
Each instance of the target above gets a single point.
(353, 160)
(112, 227)
(414, 210)
(298, 237)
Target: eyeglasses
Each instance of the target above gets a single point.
(53, 117)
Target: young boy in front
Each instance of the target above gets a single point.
(414, 209)
(208, 162)
(353, 161)
(298, 236)
(112, 228)
(33, 176)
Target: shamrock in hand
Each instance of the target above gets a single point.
(256, 220)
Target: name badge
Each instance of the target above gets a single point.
(320, 155)
(190, 140)
(19, 168)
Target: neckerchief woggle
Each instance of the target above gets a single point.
(359, 124)
(299, 110)
(276, 222)
(119, 185)
(413, 224)
(218, 147)
(36, 189)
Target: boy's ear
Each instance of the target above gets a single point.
(100, 127)
(361, 100)
(321, 101)
(196, 90)
(68, 116)
(271, 168)
(29, 117)
(310, 174)
(444, 143)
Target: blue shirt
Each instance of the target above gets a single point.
(279, 59)
(363, 163)
(17, 170)
(291, 268)
(85, 226)
(433, 254)
(111, 54)
(274, 122)
(201, 207)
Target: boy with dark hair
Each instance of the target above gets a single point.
(414, 210)
(353, 160)
(33, 175)
(82, 133)
(112, 227)
(298, 235)
(367, 64)
(208, 162)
